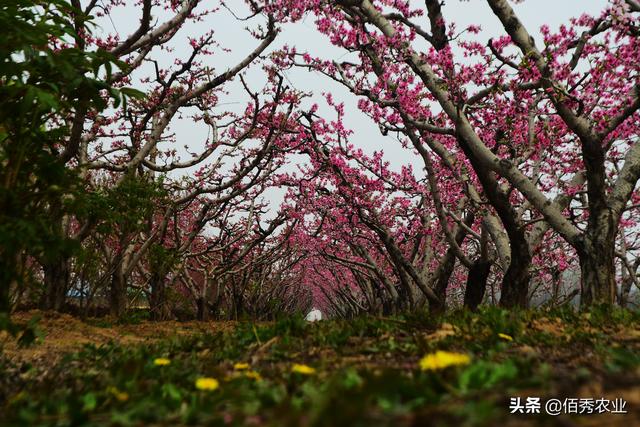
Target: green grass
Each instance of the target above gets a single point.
(367, 372)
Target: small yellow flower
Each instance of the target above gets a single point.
(506, 337)
(241, 366)
(302, 369)
(121, 396)
(253, 375)
(161, 361)
(442, 360)
(208, 384)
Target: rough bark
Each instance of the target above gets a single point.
(515, 283)
(597, 254)
(442, 281)
(117, 295)
(158, 300)
(56, 282)
(476, 283)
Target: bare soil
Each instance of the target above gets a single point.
(64, 333)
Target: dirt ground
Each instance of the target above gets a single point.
(64, 333)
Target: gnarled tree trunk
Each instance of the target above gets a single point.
(515, 283)
(476, 283)
(596, 252)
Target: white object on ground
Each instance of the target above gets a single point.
(314, 315)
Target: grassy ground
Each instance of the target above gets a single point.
(364, 372)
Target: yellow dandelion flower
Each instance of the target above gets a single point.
(442, 360)
(121, 396)
(253, 375)
(208, 384)
(241, 366)
(161, 361)
(302, 369)
(506, 337)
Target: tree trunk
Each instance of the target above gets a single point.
(515, 283)
(443, 275)
(476, 284)
(237, 301)
(158, 302)
(447, 265)
(56, 282)
(202, 309)
(56, 265)
(625, 290)
(238, 305)
(7, 276)
(117, 298)
(598, 278)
